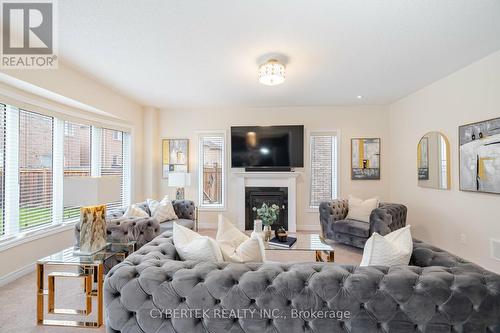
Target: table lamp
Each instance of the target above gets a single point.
(179, 180)
(91, 194)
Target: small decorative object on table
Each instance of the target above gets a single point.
(92, 229)
(281, 234)
(257, 228)
(288, 243)
(268, 215)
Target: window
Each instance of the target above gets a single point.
(77, 152)
(35, 169)
(113, 154)
(69, 129)
(2, 168)
(117, 135)
(212, 170)
(36, 152)
(323, 159)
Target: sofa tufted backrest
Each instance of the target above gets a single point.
(184, 209)
(460, 298)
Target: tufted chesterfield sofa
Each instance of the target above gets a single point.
(437, 293)
(334, 225)
(143, 229)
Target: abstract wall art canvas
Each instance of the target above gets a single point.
(480, 156)
(365, 158)
(175, 156)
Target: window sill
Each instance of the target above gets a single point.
(31, 235)
(312, 209)
(211, 209)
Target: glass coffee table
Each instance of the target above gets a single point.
(308, 242)
(89, 268)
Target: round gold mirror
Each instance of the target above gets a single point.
(433, 161)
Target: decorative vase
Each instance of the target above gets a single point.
(257, 229)
(267, 233)
(92, 229)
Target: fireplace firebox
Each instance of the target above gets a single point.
(256, 196)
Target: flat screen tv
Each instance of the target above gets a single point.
(267, 147)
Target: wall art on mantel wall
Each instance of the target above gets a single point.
(175, 156)
(480, 156)
(365, 158)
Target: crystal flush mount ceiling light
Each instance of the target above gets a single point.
(272, 73)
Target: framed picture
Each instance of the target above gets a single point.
(479, 153)
(365, 158)
(423, 159)
(175, 156)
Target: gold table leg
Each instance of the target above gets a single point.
(94, 273)
(330, 256)
(100, 273)
(39, 294)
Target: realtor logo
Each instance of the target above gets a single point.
(29, 34)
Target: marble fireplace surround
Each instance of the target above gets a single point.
(268, 179)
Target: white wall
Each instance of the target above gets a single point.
(362, 121)
(440, 217)
(152, 161)
(70, 83)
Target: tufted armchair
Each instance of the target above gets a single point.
(334, 225)
(143, 229)
(438, 293)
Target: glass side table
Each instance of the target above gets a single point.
(308, 242)
(90, 268)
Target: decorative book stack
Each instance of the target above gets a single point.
(288, 244)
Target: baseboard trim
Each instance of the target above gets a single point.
(12, 276)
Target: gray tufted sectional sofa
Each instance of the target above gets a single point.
(383, 220)
(437, 293)
(143, 229)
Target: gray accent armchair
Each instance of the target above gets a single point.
(383, 220)
(144, 229)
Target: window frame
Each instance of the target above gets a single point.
(13, 235)
(328, 132)
(74, 125)
(212, 207)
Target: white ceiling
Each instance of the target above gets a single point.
(189, 53)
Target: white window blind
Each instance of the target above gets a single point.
(35, 169)
(127, 169)
(77, 155)
(2, 169)
(323, 159)
(112, 160)
(212, 170)
(37, 151)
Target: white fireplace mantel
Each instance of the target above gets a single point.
(268, 179)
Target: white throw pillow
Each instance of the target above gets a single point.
(192, 246)
(360, 210)
(389, 250)
(162, 211)
(152, 205)
(236, 246)
(135, 211)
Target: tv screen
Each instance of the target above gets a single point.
(267, 146)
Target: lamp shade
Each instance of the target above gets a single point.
(179, 179)
(91, 191)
